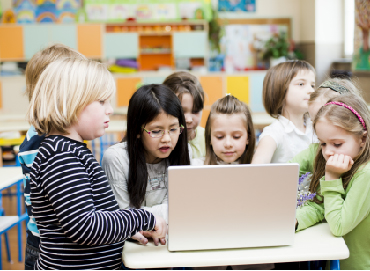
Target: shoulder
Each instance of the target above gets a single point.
(31, 141)
(200, 131)
(116, 153)
(275, 130)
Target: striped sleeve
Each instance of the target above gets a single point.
(65, 182)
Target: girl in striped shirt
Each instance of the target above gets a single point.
(80, 223)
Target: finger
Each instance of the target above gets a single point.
(156, 241)
(335, 158)
(346, 160)
(140, 238)
(163, 241)
(148, 234)
(351, 161)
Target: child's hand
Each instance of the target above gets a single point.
(337, 165)
(139, 236)
(160, 231)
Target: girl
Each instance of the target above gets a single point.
(229, 135)
(190, 92)
(230, 139)
(286, 90)
(155, 139)
(341, 177)
(80, 223)
(329, 89)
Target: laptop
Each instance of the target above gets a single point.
(231, 206)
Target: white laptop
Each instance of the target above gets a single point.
(231, 206)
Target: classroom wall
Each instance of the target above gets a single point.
(329, 35)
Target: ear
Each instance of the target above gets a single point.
(363, 139)
(138, 136)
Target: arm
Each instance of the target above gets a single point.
(116, 166)
(343, 215)
(309, 215)
(67, 186)
(306, 159)
(265, 150)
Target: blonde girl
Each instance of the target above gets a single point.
(286, 91)
(80, 223)
(190, 92)
(341, 177)
(229, 133)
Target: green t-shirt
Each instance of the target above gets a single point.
(346, 210)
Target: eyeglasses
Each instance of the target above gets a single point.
(160, 133)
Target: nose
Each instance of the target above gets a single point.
(166, 136)
(228, 142)
(109, 109)
(328, 152)
(188, 118)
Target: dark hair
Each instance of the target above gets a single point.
(184, 82)
(276, 83)
(145, 104)
(230, 105)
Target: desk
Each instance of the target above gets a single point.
(10, 176)
(315, 243)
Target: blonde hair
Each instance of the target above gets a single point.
(230, 105)
(42, 59)
(276, 84)
(64, 89)
(327, 93)
(184, 82)
(345, 119)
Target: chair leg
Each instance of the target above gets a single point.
(7, 247)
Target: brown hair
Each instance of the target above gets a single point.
(343, 118)
(276, 83)
(230, 105)
(184, 82)
(42, 59)
(327, 93)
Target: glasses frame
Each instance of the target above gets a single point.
(151, 135)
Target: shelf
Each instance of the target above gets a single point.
(155, 51)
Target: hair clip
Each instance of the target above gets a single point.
(352, 110)
(334, 86)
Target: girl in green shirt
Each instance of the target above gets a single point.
(341, 175)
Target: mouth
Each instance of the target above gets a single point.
(164, 149)
(229, 153)
(106, 125)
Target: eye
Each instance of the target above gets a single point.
(237, 137)
(337, 145)
(102, 102)
(219, 137)
(156, 132)
(313, 86)
(323, 144)
(301, 84)
(173, 130)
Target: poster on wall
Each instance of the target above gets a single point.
(146, 10)
(237, 5)
(243, 45)
(361, 48)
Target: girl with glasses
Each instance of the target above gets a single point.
(156, 138)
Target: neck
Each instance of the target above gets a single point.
(297, 119)
(71, 133)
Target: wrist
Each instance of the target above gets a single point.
(331, 176)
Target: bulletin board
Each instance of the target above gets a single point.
(242, 40)
(147, 10)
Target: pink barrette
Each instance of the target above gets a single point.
(352, 110)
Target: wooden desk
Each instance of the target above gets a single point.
(315, 243)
